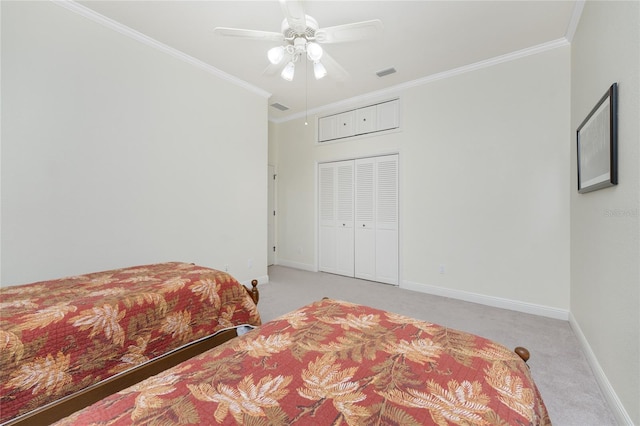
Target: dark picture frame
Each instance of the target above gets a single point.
(597, 139)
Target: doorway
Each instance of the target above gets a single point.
(271, 215)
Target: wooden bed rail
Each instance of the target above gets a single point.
(69, 404)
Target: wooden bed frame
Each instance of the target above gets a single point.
(69, 404)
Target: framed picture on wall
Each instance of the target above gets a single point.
(598, 144)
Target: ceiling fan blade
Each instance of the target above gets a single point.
(349, 32)
(252, 34)
(334, 69)
(294, 14)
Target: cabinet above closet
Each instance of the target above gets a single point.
(369, 119)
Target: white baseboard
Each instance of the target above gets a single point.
(296, 265)
(498, 302)
(622, 417)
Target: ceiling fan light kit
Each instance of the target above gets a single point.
(299, 47)
(301, 35)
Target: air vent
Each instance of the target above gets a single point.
(280, 106)
(388, 71)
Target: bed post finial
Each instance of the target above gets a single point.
(255, 294)
(522, 353)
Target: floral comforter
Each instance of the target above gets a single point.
(60, 336)
(335, 363)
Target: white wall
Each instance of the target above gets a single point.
(485, 181)
(483, 165)
(117, 154)
(605, 224)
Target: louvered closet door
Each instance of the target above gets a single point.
(344, 219)
(336, 218)
(327, 213)
(365, 235)
(387, 219)
(376, 225)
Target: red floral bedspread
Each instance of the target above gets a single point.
(59, 336)
(335, 363)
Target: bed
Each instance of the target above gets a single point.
(68, 342)
(335, 363)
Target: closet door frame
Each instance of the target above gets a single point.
(399, 215)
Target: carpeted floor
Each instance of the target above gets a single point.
(559, 368)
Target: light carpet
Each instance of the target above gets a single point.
(558, 366)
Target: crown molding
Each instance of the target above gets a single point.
(394, 90)
(138, 36)
(575, 19)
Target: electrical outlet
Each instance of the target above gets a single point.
(441, 269)
(250, 263)
(226, 268)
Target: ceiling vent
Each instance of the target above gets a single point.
(279, 106)
(388, 71)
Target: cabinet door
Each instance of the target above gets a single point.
(365, 247)
(388, 115)
(327, 128)
(346, 124)
(366, 120)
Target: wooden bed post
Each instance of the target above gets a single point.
(255, 294)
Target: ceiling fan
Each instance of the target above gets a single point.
(300, 35)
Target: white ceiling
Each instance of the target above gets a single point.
(420, 39)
